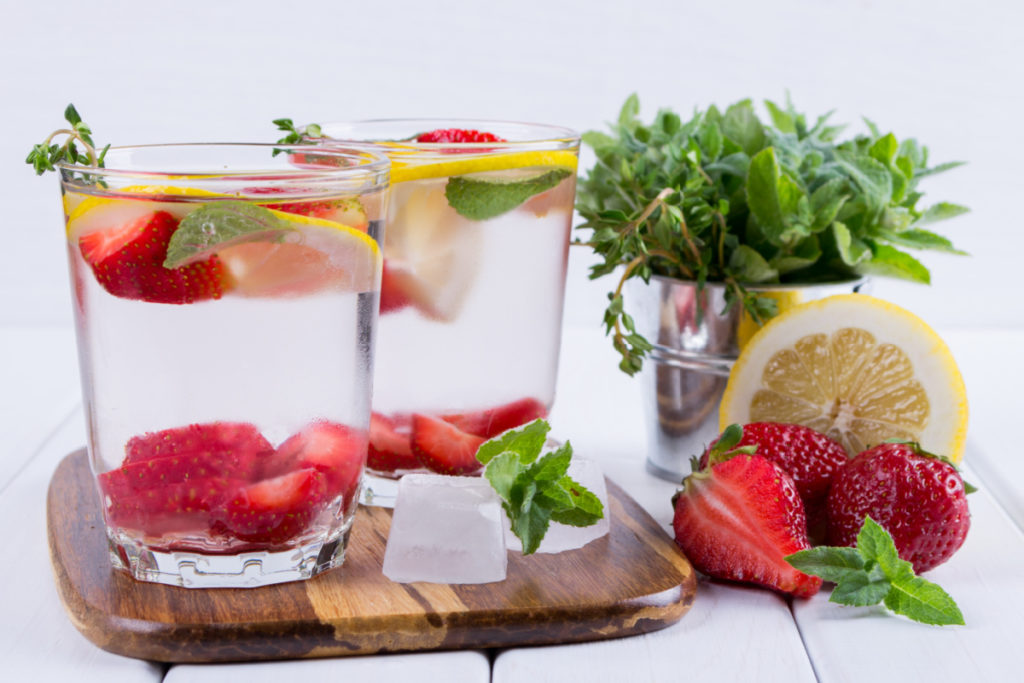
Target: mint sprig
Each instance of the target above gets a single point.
(535, 490)
(46, 155)
(480, 198)
(726, 197)
(296, 136)
(873, 572)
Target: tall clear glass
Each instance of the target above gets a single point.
(472, 292)
(226, 299)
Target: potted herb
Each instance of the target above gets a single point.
(730, 215)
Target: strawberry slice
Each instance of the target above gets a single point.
(336, 451)
(277, 510)
(739, 519)
(393, 294)
(185, 505)
(493, 421)
(127, 261)
(390, 448)
(237, 448)
(457, 135)
(444, 448)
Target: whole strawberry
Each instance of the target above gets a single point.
(919, 498)
(739, 519)
(809, 457)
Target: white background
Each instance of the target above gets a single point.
(949, 74)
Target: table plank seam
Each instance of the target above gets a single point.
(41, 448)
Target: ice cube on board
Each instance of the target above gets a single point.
(446, 530)
(561, 537)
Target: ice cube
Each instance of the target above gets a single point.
(446, 530)
(561, 537)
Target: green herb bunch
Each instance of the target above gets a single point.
(47, 154)
(725, 197)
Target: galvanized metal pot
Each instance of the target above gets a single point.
(686, 372)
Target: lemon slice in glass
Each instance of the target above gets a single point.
(409, 164)
(857, 368)
(88, 213)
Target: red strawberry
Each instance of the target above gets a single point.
(392, 290)
(739, 519)
(185, 506)
(443, 447)
(457, 135)
(493, 421)
(809, 457)
(276, 510)
(238, 448)
(127, 261)
(390, 449)
(337, 451)
(917, 497)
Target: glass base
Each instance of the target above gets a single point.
(243, 570)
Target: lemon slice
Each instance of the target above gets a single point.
(405, 166)
(88, 213)
(856, 368)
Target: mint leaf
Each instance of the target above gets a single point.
(526, 442)
(740, 124)
(749, 266)
(873, 572)
(479, 198)
(852, 251)
(891, 261)
(773, 197)
(536, 491)
(220, 224)
(923, 601)
(940, 212)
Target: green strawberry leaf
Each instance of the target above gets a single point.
(480, 198)
(220, 224)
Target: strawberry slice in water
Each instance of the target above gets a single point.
(127, 261)
(457, 135)
(276, 510)
(493, 421)
(238, 447)
(443, 447)
(184, 506)
(390, 445)
(336, 451)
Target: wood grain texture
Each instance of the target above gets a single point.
(632, 581)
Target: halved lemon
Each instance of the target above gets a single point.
(859, 369)
(409, 165)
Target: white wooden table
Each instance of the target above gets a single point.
(731, 633)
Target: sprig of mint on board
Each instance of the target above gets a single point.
(725, 197)
(536, 491)
(873, 572)
(47, 154)
(475, 197)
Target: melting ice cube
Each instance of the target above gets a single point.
(446, 530)
(561, 537)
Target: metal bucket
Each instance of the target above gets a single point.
(685, 374)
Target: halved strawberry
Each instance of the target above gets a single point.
(127, 261)
(276, 510)
(337, 451)
(457, 135)
(739, 519)
(444, 448)
(390, 446)
(493, 421)
(184, 506)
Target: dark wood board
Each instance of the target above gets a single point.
(632, 581)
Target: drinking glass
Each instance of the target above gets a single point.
(225, 300)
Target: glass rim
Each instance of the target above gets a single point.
(557, 134)
(372, 161)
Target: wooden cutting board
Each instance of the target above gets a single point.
(632, 581)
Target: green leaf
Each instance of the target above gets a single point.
(712, 141)
(940, 212)
(781, 119)
(526, 442)
(530, 521)
(871, 177)
(749, 266)
(587, 507)
(740, 125)
(861, 589)
(921, 239)
(552, 466)
(71, 115)
(826, 202)
(923, 601)
(884, 149)
(772, 197)
(480, 198)
(886, 260)
(851, 251)
(831, 564)
(502, 471)
(629, 111)
(217, 225)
